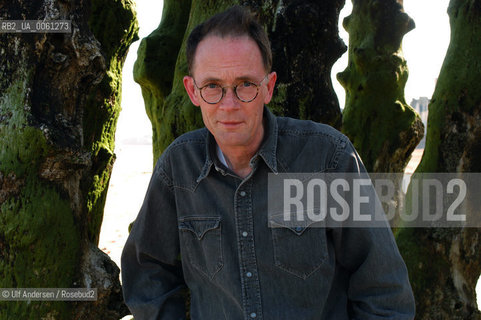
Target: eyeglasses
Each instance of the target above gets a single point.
(246, 91)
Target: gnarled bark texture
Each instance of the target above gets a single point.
(298, 30)
(59, 102)
(382, 126)
(445, 264)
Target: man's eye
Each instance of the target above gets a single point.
(246, 84)
(212, 86)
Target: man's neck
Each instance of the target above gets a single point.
(239, 163)
(238, 158)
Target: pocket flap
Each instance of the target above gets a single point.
(199, 225)
(298, 227)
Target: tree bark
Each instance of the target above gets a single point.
(445, 264)
(59, 103)
(382, 126)
(298, 30)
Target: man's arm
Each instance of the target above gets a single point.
(152, 278)
(379, 285)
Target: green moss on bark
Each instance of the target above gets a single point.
(382, 126)
(457, 96)
(157, 58)
(59, 103)
(43, 245)
(36, 219)
(278, 99)
(445, 288)
(423, 263)
(115, 26)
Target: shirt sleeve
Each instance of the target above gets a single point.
(152, 278)
(379, 285)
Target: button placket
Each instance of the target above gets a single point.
(247, 257)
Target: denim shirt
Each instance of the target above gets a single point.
(203, 228)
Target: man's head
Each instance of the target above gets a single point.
(230, 80)
(235, 22)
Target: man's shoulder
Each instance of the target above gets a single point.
(308, 146)
(309, 129)
(197, 136)
(186, 147)
(194, 139)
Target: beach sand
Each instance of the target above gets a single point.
(128, 184)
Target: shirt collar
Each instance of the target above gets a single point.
(267, 150)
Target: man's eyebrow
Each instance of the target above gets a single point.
(211, 79)
(241, 78)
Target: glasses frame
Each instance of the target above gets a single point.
(234, 88)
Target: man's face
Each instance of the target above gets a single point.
(229, 62)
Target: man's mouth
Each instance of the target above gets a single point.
(230, 124)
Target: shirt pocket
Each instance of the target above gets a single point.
(201, 240)
(299, 250)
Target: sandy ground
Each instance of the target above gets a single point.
(415, 159)
(128, 184)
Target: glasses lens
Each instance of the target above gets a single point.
(246, 91)
(211, 93)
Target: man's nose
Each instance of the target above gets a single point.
(230, 99)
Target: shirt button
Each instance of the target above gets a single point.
(244, 234)
(253, 315)
(243, 193)
(298, 229)
(249, 274)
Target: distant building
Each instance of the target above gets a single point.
(421, 106)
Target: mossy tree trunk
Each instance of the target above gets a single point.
(445, 264)
(299, 32)
(59, 103)
(382, 126)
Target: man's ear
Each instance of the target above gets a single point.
(189, 87)
(270, 87)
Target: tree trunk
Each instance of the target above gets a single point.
(382, 126)
(59, 103)
(298, 30)
(445, 264)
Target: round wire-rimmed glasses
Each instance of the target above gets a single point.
(245, 91)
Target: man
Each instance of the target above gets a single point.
(204, 223)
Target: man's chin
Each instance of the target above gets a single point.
(232, 140)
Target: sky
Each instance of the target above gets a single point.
(424, 49)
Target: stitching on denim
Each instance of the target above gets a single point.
(281, 162)
(307, 133)
(200, 218)
(341, 144)
(172, 148)
(160, 174)
(220, 263)
(282, 266)
(185, 138)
